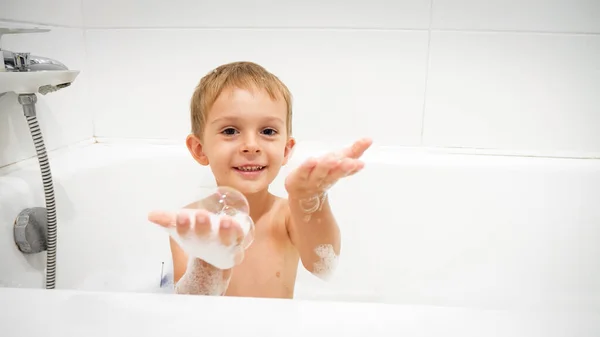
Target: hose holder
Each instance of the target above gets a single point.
(30, 230)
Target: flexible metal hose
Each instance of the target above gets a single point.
(28, 101)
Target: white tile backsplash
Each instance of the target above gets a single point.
(63, 115)
(56, 12)
(410, 14)
(531, 92)
(143, 79)
(355, 68)
(518, 15)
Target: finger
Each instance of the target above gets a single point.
(202, 225)
(346, 168)
(321, 171)
(304, 170)
(239, 235)
(162, 218)
(347, 165)
(230, 231)
(359, 166)
(182, 222)
(358, 148)
(342, 170)
(333, 177)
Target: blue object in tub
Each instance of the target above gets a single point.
(166, 277)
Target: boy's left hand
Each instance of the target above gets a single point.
(317, 175)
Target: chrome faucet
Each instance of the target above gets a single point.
(24, 62)
(20, 61)
(27, 62)
(13, 61)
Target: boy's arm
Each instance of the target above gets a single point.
(312, 226)
(179, 256)
(316, 236)
(180, 259)
(196, 277)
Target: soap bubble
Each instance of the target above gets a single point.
(228, 201)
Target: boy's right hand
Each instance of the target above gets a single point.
(192, 229)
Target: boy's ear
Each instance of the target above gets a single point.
(289, 149)
(195, 147)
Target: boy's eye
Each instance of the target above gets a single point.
(269, 132)
(229, 131)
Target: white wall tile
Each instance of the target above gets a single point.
(531, 92)
(64, 116)
(530, 15)
(346, 84)
(55, 12)
(262, 13)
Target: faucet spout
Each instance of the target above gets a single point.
(27, 62)
(14, 30)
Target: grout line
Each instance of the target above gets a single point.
(426, 71)
(139, 141)
(505, 153)
(342, 28)
(83, 21)
(386, 149)
(266, 28)
(332, 28)
(513, 31)
(90, 85)
(51, 154)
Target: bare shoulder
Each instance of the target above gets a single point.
(282, 210)
(272, 221)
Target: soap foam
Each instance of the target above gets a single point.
(202, 279)
(312, 205)
(327, 263)
(210, 248)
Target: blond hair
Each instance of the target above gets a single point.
(243, 75)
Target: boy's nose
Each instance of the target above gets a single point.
(251, 149)
(250, 146)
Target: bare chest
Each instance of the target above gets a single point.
(269, 267)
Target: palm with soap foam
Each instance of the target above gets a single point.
(315, 176)
(216, 230)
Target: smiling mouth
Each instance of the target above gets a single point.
(250, 168)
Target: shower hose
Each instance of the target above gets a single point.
(28, 102)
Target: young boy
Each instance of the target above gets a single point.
(241, 118)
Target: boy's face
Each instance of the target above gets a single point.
(245, 141)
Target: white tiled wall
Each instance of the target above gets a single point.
(558, 16)
(382, 14)
(65, 13)
(518, 76)
(529, 92)
(515, 75)
(365, 82)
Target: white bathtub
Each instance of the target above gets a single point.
(442, 237)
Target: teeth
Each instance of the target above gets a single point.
(250, 168)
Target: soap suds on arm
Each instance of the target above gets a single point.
(202, 278)
(327, 263)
